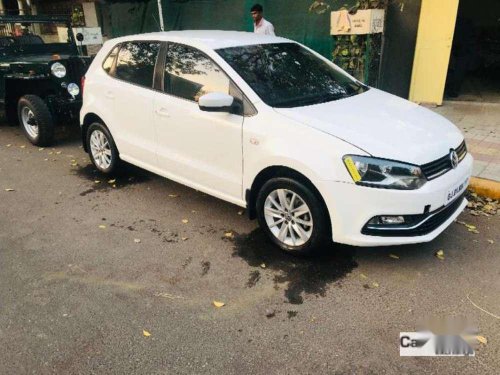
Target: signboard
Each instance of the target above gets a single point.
(91, 35)
(369, 21)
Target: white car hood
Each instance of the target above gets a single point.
(383, 125)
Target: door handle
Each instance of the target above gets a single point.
(162, 112)
(110, 95)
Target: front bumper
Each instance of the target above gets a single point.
(352, 206)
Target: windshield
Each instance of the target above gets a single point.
(288, 75)
(33, 37)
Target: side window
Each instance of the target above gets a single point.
(189, 73)
(136, 62)
(108, 62)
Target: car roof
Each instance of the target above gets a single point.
(212, 39)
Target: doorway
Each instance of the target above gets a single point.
(474, 69)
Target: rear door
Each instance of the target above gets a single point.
(133, 96)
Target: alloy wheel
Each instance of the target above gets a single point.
(288, 217)
(100, 149)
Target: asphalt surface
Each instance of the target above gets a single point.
(86, 267)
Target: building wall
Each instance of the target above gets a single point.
(432, 54)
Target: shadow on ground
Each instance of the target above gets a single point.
(126, 175)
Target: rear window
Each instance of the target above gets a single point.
(108, 62)
(136, 62)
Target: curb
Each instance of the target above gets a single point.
(485, 187)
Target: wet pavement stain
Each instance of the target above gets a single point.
(126, 175)
(205, 267)
(302, 276)
(253, 278)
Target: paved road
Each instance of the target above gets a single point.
(77, 289)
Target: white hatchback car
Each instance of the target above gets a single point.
(270, 125)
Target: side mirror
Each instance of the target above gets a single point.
(79, 37)
(216, 102)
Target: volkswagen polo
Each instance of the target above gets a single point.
(270, 125)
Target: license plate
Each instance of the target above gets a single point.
(456, 191)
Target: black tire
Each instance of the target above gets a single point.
(320, 235)
(42, 117)
(115, 156)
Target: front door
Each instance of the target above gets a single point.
(202, 149)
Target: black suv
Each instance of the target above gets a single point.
(41, 70)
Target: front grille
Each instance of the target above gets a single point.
(442, 165)
(428, 223)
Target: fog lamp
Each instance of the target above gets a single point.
(73, 89)
(388, 220)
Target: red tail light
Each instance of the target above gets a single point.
(82, 84)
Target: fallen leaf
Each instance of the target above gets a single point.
(393, 256)
(218, 304)
(111, 181)
(137, 240)
(229, 234)
(9, 145)
(146, 333)
(58, 152)
(185, 221)
(41, 149)
(102, 226)
(173, 195)
(184, 238)
(97, 181)
(74, 164)
(23, 146)
(483, 340)
(363, 276)
(491, 241)
(470, 226)
(240, 212)
(262, 265)
(375, 285)
(9, 189)
(440, 254)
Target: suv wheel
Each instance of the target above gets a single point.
(292, 216)
(102, 150)
(36, 120)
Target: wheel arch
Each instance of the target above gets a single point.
(88, 120)
(278, 171)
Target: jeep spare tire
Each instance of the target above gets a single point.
(35, 120)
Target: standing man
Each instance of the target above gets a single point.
(260, 25)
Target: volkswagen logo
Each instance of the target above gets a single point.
(453, 159)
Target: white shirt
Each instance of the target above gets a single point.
(263, 27)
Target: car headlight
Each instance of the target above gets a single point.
(380, 173)
(73, 89)
(58, 70)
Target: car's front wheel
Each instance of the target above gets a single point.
(36, 120)
(102, 149)
(292, 215)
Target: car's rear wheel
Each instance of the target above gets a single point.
(35, 120)
(102, 149)
(292, 215)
